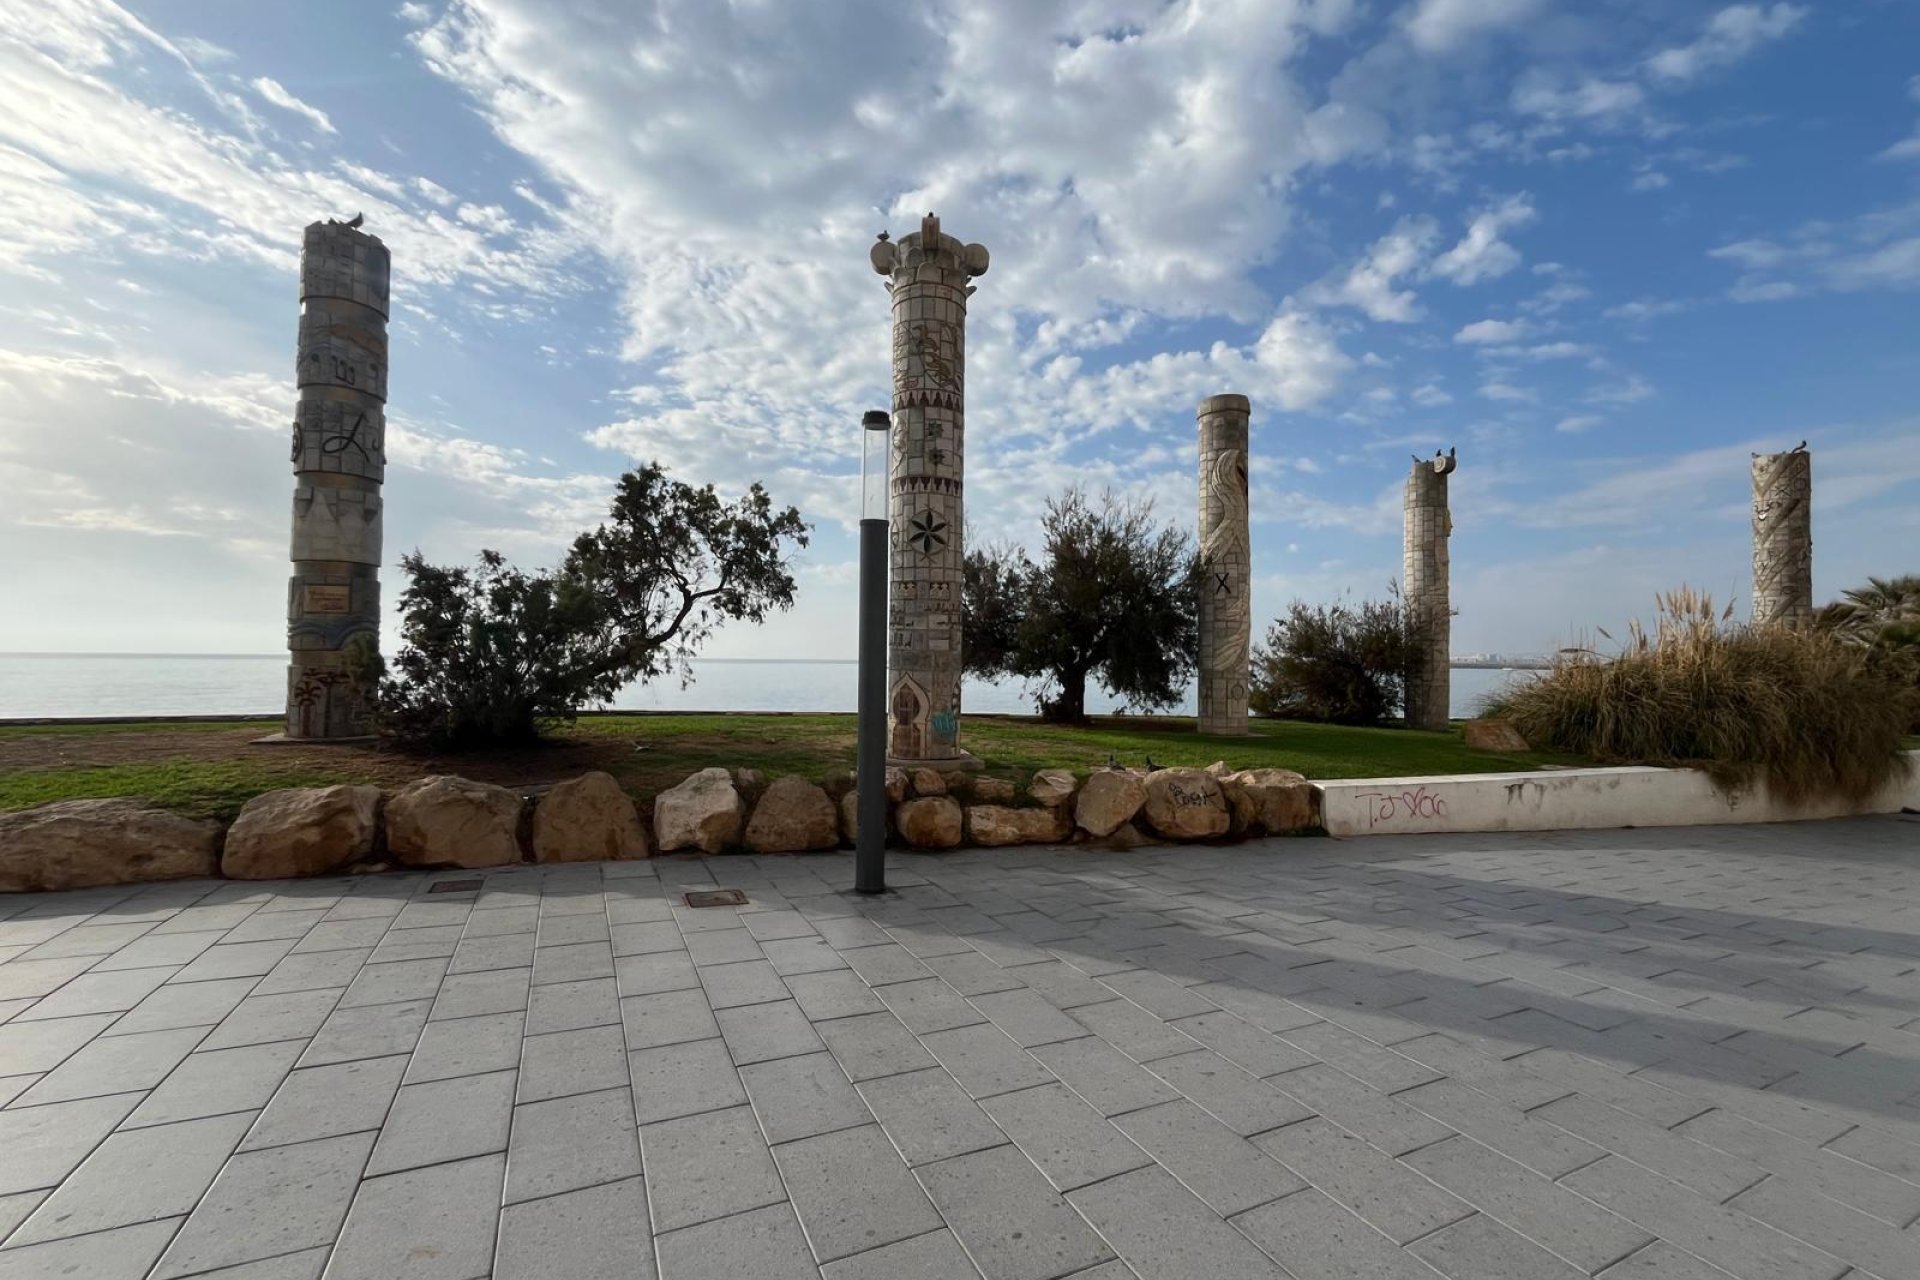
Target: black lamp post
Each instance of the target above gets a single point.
(870, 848)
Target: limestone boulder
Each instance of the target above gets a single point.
(1053, 787)
(705, 812)
(1493, 735)
(792, 816)
(1109, 800)
(587, 819)
(1220, 769)
(838, 783)
(930, 822)
(302, 831)
(994, 825)
(76, 844)
(928, 782)
(748, 782)
(1186, 804)
(444, 821)
(991, 791)
(896, 784)
(1272, 801)
(849, 806)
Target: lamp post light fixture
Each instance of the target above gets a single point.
(870, 845)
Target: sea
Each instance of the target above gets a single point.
(36, 685)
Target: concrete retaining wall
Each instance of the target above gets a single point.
(1569, 799)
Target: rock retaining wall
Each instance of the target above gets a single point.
(445, 821)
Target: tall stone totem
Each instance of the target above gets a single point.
(1226, 610)
(927, 272)
(1425, 568)
(339, 462)
(1783, 537)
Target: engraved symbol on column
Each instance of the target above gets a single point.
(929, 533)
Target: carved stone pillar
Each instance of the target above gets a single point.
(339, 463)
(1426, 591)
(1226, 607)
(1783, 538)
(928, 273)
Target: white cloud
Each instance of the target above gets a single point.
(1577, 424)
(1650, 180)
(1589, 98)
(1481, 253)
(1441, 26)
(1730, 35)
(1645, 309)
(1369, 284)
(1485, 332)
(1506, 391)
(277, 94)
(1430, 396)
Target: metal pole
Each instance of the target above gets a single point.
(870, 848)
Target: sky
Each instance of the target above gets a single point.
(1605, 250)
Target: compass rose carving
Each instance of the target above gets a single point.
(929, 533)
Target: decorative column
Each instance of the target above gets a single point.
(1226, 608)
(1783, 537)
(1429, 610)
(339, 461)
(927, 273)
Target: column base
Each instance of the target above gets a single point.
(966, 762)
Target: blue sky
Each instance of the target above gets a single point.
(1606, 250)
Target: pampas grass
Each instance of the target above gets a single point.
(1801, 709)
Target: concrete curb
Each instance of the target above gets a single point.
(1575, 799)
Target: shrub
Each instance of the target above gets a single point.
(1804, 710)
(1338, 663)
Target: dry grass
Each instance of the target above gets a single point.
(1811, 715)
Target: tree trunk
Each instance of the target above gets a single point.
(1070, 707)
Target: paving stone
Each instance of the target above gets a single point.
(27, 1048)
(852, 1192)
(1483, 1249)
(791, 957)
(1365, 1179)
(482, 953)
(1547, 1149)
(1211, 1160)
(651, 974)
(157, 949)
(929, 1116)
(972, 974)
(572, 962)
(1253, 1050)
(1311, 1235)
(1132, 1030)
(1846, 1233)
(668, 1018)
(196, 1004)
(598, 1233)
(1661, 1261)
(886, 963)
(1062, 985)
(1533, 1205)
(15, 1208)
(1009, 1219)
(872, 1045)
(445, 1120)
(116, 1186)
(569, 1006)
(934, 1256)
(646, 938)
(44, 1144)
(1715, 1174)
(762, 1032)
(567, 1062)
(218, 1082)
(87, 940)
(371, 1031)
(799, 1097)
(436, 943)
(266, 1203)
(1158, 994)
(929, 1004)
(565, 1144)
(118, 1064)
(1891, 1199)
(234, 960)
(1065, 1137)
(323, 1102)
(1162, 1230)
(1735, 1242)
(837, 994)
(466, 995)
(707, 1166)
(122, 1254)
(1104, 1076)
(743, 983)
(1371, 1063)
(766, 1244)
(985, 1061)
(259, 1019)
(683, 1079)
(423, 1224)
(96, 993)
(1027, 1018)
(722, 946)
(1237, 1099)
(466, 1046)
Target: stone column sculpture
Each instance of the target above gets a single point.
(927, 272)
(1226, 609)
(1429, 609)
(339, 461)
(1783, 537)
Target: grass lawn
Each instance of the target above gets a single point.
(213, 767)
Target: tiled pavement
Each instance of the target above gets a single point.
(1645, 1055)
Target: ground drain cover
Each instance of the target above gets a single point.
(454, 886)
(717, 898)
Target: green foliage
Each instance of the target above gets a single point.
(1806, 710)
(492, 651)
(1884, 615)
(1339, 663)
(1113, 598)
